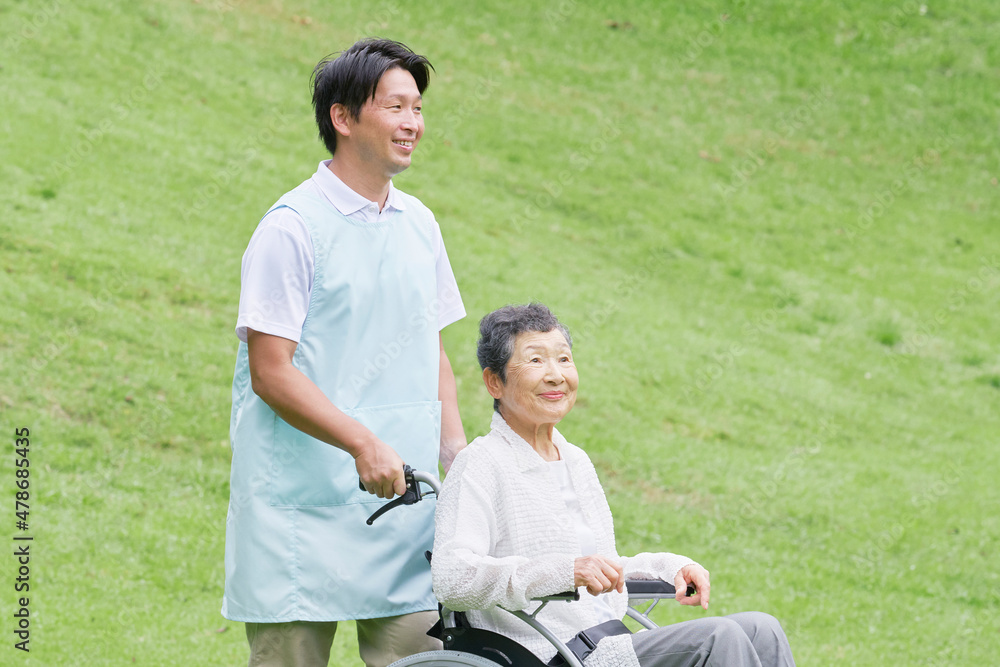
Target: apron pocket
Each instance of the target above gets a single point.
(306, 472)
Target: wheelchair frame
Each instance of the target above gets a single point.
(465, 646)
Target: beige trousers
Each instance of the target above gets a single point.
(381, 641)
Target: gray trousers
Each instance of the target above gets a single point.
(747, 639)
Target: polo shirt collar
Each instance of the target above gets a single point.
(346, 200)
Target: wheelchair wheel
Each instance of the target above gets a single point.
(444, 659)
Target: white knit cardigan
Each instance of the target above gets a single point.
(503, 535)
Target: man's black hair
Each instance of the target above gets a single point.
(351, 78)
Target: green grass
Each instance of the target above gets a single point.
(774, 236)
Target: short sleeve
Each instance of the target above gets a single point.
(452, 308)
(276, 277)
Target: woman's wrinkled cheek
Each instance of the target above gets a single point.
(518, 382)
(516, 376)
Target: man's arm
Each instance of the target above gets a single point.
(297, 400)
(452, 434)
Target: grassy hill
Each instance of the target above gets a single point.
(772, 228)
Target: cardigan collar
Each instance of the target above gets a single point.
(526, 456)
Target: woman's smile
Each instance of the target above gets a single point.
(540, 388)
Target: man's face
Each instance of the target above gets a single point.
(390, 125)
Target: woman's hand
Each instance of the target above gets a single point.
(697, 575)
(598, 574)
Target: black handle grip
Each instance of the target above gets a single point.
(412, 495)
(656, 586)
(385, 508)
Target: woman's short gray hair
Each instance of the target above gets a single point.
(499, 330)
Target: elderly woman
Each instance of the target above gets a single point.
(523, 515)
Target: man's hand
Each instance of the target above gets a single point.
(381, 469)
(598, 574)
(697, 575)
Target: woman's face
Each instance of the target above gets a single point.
(541, 380)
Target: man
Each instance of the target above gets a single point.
(341, 374)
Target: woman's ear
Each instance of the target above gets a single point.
(493, 383)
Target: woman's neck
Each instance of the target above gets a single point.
(539, 436)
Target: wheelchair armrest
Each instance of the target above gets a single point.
(649, 589)
(653, 589)
(567, 596)
(638, 589)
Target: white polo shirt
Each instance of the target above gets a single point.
(277, 272)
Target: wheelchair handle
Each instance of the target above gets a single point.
(411, 496)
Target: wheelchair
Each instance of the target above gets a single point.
(467, 646)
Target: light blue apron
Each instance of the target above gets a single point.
(297, 546)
